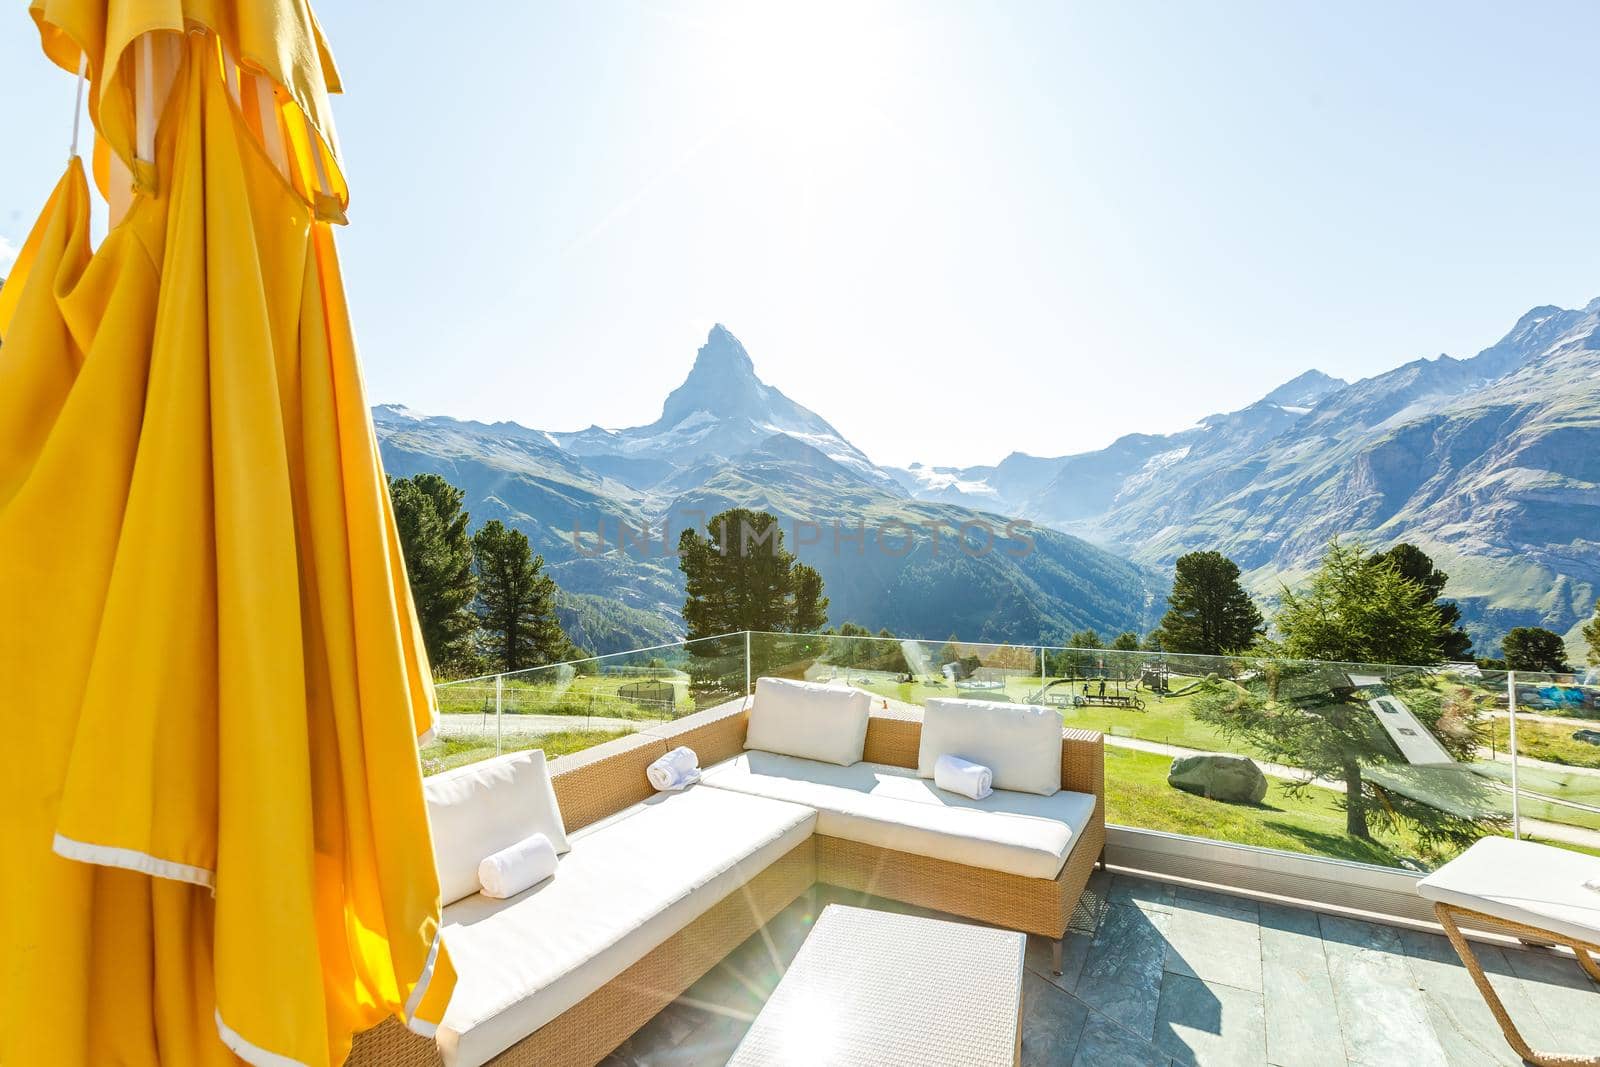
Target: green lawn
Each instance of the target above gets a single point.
(1168, 720)
(453, 752)
(584, 694)
(1137, 795)
(1549, 741)
(1564, 785)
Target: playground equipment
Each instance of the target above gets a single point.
(652, 693)
(1155, 677)
(1089, 693)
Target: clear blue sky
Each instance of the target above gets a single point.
(951, 229)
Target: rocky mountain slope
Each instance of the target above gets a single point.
(1491, 463)
(725, 439)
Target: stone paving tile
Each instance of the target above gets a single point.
(1090, 911)
(1121, 977)
(1210, 1025)
(1563, 995)
(1141, 892)
(1302, 1024)
(1186, 896)
(1322, 991)
(1460, 1018)
(1105, 1044)
(1074, 950)
(1214, 945)
(1383, 1015)
(1052, 1023)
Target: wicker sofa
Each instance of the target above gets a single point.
(776, 850)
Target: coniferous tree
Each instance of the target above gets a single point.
(517, 601)
(1354, 612)
(1455, 644)
(438, 552)
(810, 606)
(739, 576)
(1128, 641)
(1533, 648)
(1309, 715)
(1087, 639)
(1591, 634)
(1209, 611)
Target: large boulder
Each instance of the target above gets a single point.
(1220, 777)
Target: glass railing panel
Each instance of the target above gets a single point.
(1266, 751)
(1553, 763)
(567, 707)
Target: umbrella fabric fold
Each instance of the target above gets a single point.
(218, 843)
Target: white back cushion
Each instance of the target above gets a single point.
(477, 810)
(1020, 743)
(809, 720)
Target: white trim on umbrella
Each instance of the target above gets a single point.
(133, 860)
(251, 1054)
(423, 1027)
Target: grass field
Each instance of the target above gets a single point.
(583, 694)
(453, 752)
(1549, 741)
(1168, 720)
(1137, 795)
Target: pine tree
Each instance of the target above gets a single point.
(1455, 644)
(740, 577)
(1354, 612)
(438, 554)
(1209, 611)
(1533, 648)
(810, 606)
(1591, 634)
(517, 601)
(1128, 641)
(1086, 639)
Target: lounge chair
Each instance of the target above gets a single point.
(1530, 891)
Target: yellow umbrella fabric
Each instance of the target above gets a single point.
(216, 843)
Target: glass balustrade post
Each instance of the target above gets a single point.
(499, 708)
(1511, 714)
(747, 689)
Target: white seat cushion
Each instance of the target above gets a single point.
(1019, 743)
(629, 883)
(891, 807)
(820, 722)
(1536, 885)
(477, 810)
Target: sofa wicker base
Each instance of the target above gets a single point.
(1010, 901)
(584, 1034)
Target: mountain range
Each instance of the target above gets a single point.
(727, 439)
(1491, 464)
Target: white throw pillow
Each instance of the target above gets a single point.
(809, 720)
(1020, 743)
(477, 810)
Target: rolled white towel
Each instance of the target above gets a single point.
(516, 867)
(962, 776)
(675, 770)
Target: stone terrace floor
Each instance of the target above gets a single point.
(1161, 974)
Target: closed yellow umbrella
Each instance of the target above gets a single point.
(216, 843)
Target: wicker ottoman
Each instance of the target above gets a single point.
(876, 989)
